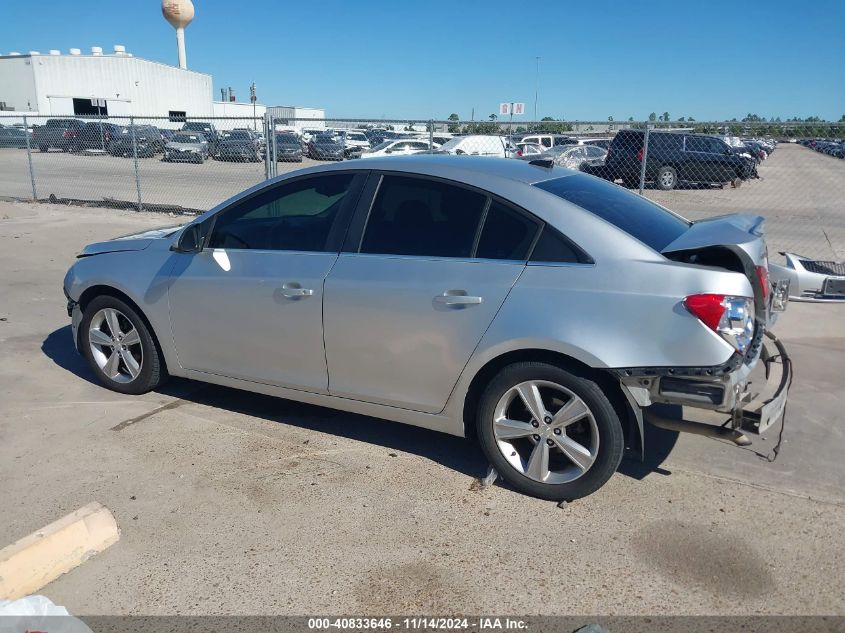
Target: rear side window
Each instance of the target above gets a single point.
(638, 217)
(507, 234)
(554, 247)
(415, 216)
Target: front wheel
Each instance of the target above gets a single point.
(119, 347)
(548, 432)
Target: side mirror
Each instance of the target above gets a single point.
(190, 241)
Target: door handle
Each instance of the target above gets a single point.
(457, 298)
(295, 291)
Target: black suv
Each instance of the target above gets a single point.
(148, 142)
(675, 157)
(96, 135)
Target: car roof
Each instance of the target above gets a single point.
(470, 169)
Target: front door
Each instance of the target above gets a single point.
(404, 312)
(249, 305)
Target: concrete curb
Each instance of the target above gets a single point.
(41, 557)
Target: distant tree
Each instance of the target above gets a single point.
(493, 117)
(682, 119)
(652, 116)
(689, 118)
(409, 127)
(630, 118)
(841, 119)
(454, 128)
(666, 116)
(552, 126)
(610, 118)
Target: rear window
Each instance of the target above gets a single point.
(638, 217)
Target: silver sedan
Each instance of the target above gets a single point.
(542, 307)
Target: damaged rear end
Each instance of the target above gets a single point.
(734, 243)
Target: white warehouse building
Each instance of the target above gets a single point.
(115, 84)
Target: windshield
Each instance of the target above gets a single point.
(239, 136)
(638, 217)
(287, 138)
(324, 138)
(451, 144)
(187, 138)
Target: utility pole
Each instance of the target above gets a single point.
(536, 87)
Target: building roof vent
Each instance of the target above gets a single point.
(53, 51)
(75, 51)
(97, 51)
(14, 54)
(34, 53)
(119, 49)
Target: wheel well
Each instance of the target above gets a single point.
(89, 294)
(608, 383)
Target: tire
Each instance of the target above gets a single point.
(597, 434)
(736, 183)
(149, 367)
(43, 148)
(667, 178)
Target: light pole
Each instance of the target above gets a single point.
(536, 88)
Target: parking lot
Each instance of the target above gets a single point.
(235, 503)
(799, 190)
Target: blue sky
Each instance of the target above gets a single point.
(427, 59)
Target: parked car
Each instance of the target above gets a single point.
(675, 157)
(480, 145)
(288, 147)
(241, 146)
(325, 147)
(604, 143)
(411, 306)
(549, 140)
(397, 147)
(212, 136)
(95, 135)
(189, 147)
(14, 137)
(574, 156)
(147, 141)
(529, 150)
(60, 133)
(356, 141)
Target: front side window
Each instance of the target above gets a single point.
(415, 216)
(297, 216)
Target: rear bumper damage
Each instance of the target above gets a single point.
(724, 389)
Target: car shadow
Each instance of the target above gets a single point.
(459, 454)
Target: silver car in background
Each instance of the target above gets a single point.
(542, 309)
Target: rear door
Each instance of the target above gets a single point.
(407, 305)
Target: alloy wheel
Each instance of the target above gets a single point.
(115, 345)
(546, 432)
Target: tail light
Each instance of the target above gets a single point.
(730, 317)
(519, 152)
(640, 154)
(763, 277)
(69, 134)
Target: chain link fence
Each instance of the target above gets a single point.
(792, 173)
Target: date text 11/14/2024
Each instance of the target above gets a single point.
(418, 623)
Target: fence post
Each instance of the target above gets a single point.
(135, 157)
(645, 158)
(430, 135)
(29, 159)
(268, 140)
(274, 160)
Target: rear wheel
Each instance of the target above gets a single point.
(667, 178)
(119, 347)
(736, 183)
(548, 432)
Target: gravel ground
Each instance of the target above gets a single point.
(233, 503)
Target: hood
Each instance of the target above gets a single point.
(183, 146)
(133, 242)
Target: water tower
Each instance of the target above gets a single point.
(179, 13)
